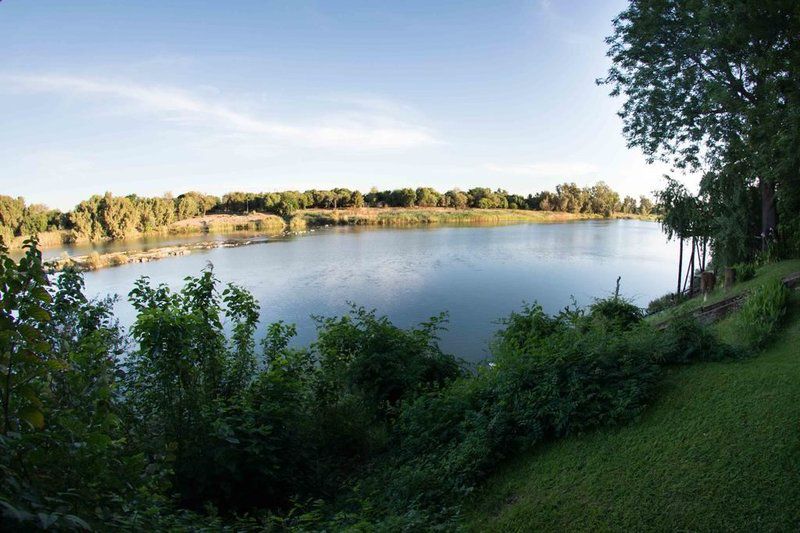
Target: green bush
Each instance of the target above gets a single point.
(372, 426)
(684, 340)
(665, 302)
(762, 312)
(64, 457)
(551, 376)
(744, 271)
(621, 313)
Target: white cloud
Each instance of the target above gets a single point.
(376, 128)
(544, 170)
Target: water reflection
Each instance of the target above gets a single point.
(477, 274)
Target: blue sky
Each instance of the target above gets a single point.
(154, 96)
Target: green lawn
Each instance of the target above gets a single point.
(718, 450)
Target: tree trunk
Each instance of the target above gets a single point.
(691, 268)
(680, 265)
(769, 214)
(703, 266)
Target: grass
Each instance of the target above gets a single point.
(228, 223)
(46, 239)
(432, 215)
(718, 450)
(767, 272)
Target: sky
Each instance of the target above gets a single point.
(151, 97)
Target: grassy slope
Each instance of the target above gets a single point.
(718, 450)
(774, 270)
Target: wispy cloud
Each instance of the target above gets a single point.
(372, 129)
(544, 170)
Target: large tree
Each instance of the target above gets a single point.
(714, 85)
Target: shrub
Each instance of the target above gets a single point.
(553, 375)
(94, 261)
(64, 459)
(762, 313)
(685, 340)
(373, 425)
(744, 271)
(379, 362)
(620, 313)
(665, 302)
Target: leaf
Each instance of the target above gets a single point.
(17, 514)
(32, 416)
(46, 520)
(41, 294)
(39, 314)
(79, 522)
(29, 393)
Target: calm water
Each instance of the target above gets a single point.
(477, 274)
(141, 243)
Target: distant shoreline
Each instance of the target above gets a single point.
(273, 226)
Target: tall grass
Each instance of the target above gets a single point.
(762, 313)
(267, 223)
(422, 216)
(46, 239)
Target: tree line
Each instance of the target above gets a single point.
(114, 217)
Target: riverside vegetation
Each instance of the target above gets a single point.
(184, 426)
(112, 218)
(372, 426)
(717, 450)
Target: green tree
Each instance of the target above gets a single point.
(404, 197)
(427, 197)
(645, 205)
(716, 81)
(572, 199)
(117, 216)
(628, 205)
(603, 200)
(457, 199)
(12, 213)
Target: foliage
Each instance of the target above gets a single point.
(551, 376)
(16, 218)
(684, 341)
(616, 313)
(744, 271)
(762, 313)
(715, 84)
(724, 431)
(65, 458)
(681, 210)
(665, 302)
(380, 363)
(112, 217)
(371, 426)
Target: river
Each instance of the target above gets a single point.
(476, 274)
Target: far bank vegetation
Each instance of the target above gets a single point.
(109, 217)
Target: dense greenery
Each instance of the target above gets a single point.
(187, 421)
(115, 217)
(762, 313)
(17, 218)
(716, 452)
(716, 85)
